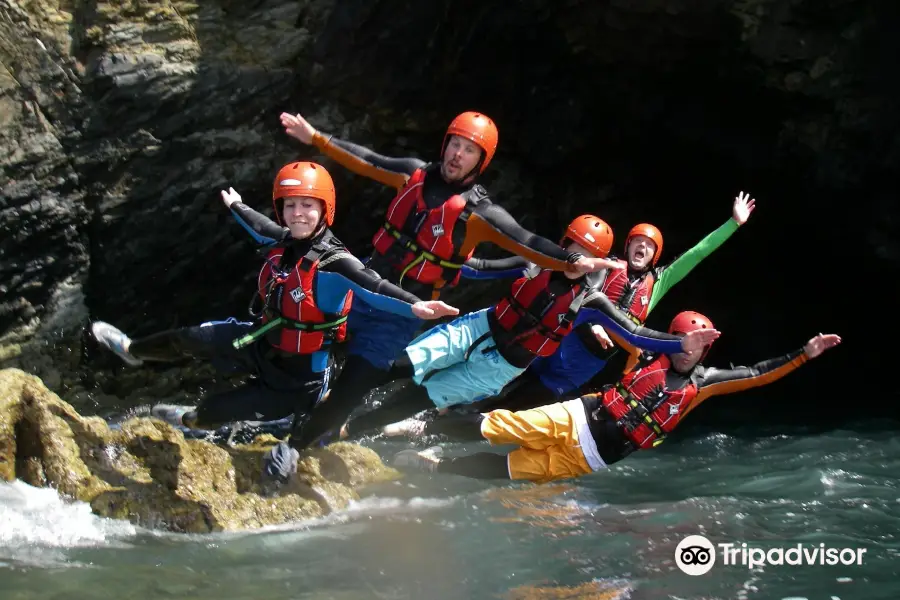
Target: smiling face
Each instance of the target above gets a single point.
(640, 252)
(460, 158)
(302, 215)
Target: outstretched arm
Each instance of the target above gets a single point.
(362, 161)
(715, 382)
(501, 268)
(263, 229)
(633, 335)
(491, 223)
(340, 272)
(673, 273)
(616, 323)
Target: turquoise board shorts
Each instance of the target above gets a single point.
(440, 355)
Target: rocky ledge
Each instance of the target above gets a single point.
(146, 472)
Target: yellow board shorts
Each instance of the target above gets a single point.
(549, 439)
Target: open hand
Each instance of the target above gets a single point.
(590, 265)
(230, 197)
(697, 340)
(743, 206)
(433, 309)
(820, 344)
(601, 336)
(298, 128)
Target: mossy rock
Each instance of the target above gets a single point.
(148, 473)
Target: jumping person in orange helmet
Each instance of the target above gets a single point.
(475, 355)
(431, 229)
(587, 434)
(305, 291)
(636, 290)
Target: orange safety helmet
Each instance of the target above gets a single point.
(478, 128)
(688, 321)
(305, 179)
(591, 232)
(651, 232)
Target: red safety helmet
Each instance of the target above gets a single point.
(478, 128)
(305, 179)
(591, 232)
(688, 321)
(651, 232)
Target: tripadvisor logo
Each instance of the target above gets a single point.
(696, 555)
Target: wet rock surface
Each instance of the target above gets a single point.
(147, 473)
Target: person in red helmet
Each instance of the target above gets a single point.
(475, 355)
(437, 218)
(305, 290)
(587, 434)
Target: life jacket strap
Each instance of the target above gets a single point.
(637, 415)
(330, 327)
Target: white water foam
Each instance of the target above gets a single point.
(36, 525)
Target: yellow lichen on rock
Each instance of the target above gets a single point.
(148, 473)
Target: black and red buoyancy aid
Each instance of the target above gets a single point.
(291, 320)
(641, 405)
(535, 319)
(632, 298)
(419, 242)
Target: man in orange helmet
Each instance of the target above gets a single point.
(306, 288)
(635, 290)
(475, 355)
(431, 228)
(587, 434)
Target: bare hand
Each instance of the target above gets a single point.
(230, 197)
(699, 339)
(298, 128)
(820, 344)
(590, 265)
(743, 206)
(433, 309)
(601, 336)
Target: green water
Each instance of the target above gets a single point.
(612, 535)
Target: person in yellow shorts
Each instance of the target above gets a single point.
(578, 437)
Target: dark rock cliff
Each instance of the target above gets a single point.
(120, 121)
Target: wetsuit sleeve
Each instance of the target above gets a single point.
(501, 268)
(263, 229)
(674, 272)
(340, 272)
(491, 223)
(634, 353)
(614, 321)
(362, 161)
(716, 382)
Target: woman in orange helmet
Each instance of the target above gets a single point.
(430, 230)
(587, 434)
(475, 355)
(305, 291)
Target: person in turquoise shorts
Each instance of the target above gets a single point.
(635, 290)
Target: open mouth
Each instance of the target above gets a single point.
(639, 254)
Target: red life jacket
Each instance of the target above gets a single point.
(633, 300)
(535, 319)
(418, 242)
(642, 406)
(291, 320)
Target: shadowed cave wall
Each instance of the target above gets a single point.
(121, 121)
